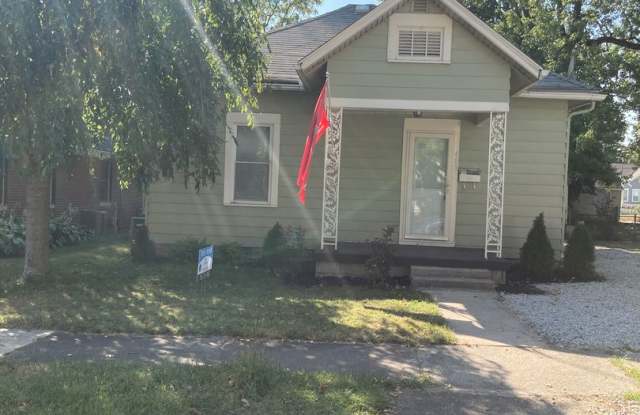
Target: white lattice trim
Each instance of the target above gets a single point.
(495, 183)
(331, 190)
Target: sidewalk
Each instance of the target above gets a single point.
(500, 366)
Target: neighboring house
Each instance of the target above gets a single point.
(424, 96)
(631, 191)
(618, 198)
(89, 186)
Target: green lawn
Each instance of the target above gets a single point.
(633, 371)
(247, 386)
(97, 288)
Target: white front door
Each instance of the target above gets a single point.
(429, 181)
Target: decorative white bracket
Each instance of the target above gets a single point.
(331, 189)
(495, 183)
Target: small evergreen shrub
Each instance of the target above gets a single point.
(275, 247)
(536, 255)
(230, 253)
(379, 264)
(186, 250)
(579, 256)
(285, 255)
(142, 248)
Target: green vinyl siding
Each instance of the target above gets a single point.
(475, 73)
(535, 170)
(175, 212)
(370, 181)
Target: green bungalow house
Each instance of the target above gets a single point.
(440, 127)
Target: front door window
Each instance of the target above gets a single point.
(426, 214)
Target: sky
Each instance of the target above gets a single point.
(328, 5)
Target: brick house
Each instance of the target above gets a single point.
(89, 185)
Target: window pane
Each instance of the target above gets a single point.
(253, 144)
(252, 182)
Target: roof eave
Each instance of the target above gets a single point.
(563, 95)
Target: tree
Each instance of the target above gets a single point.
(279, 13)
(596, 41)
(42, 75)
(155, 77)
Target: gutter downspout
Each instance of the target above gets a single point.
(565, 204)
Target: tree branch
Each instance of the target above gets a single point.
(616, 41)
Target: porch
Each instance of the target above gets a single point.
(437, 176)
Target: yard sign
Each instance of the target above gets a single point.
(205, 259)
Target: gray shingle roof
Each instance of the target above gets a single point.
(556, 82)
(291, 43)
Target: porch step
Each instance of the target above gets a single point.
(465, 278)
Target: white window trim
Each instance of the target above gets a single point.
(235, 119)
(451, 129)
(400, 21)
(625, 195)
(635, 195)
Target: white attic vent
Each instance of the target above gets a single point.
(420, 6)
(420, 43)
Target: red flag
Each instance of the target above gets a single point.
(319, 124)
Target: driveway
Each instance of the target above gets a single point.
(596, 315)
(501, 366)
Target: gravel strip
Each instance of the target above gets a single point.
(597, 315)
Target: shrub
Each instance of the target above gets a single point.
(285, 255)
(579, 256)
(186, 250)
(379, 264)
(62, 232)
(275, 247)
(230, 253)
(142, 248)
(11, 234)
(536, 255)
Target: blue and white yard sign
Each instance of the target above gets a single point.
(205, 259)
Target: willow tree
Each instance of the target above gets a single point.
(153, 76)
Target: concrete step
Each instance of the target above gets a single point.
(469, 278)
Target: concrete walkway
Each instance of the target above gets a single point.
(500, 366)
(12, 339)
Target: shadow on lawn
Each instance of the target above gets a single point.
(99, 290)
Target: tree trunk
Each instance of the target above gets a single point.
(36, 220)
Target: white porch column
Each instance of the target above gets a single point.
(331, 188)
(495, 183)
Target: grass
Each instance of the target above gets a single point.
(247, 386)
(633, 371)
(97, 288)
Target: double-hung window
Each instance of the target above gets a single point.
(635, 195)
(251, 160)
